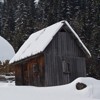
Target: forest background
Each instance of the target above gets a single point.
(20, 18)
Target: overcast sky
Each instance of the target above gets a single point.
(1, 0)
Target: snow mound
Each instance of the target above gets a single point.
(6, 50)
(63, 92)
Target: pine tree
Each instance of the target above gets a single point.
(1, 4)
(7, 20)
(24, 21)
(90, 29)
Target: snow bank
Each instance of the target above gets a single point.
(64, 92)
(6, 50)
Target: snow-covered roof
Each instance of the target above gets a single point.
(38, 41)
(6, 50)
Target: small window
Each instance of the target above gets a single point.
(65, 67)
(35, 68)
(62, 30)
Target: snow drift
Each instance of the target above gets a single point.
(65, 92)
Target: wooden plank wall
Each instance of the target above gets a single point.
(63, 46)
(38, 80)
(25, 74)
(80, 66)
(18, 75)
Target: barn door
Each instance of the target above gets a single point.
(72, 68)
(36, 74)
(31, 74)
(66, 70)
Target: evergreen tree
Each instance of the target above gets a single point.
(1, 4)
(7, 20)
(24, 21)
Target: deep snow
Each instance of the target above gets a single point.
(65, 92)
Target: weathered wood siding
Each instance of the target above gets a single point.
(62, 61)
(63, 48)
(18, 75)
(27, 75)
(36, 78)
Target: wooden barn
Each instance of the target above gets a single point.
(52, 56)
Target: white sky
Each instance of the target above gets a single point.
(1, 0)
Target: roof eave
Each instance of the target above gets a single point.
(84, 48)
(26, 59)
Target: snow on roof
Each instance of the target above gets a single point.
(6, 50)
(38, 41)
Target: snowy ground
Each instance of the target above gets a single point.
(8, 91)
